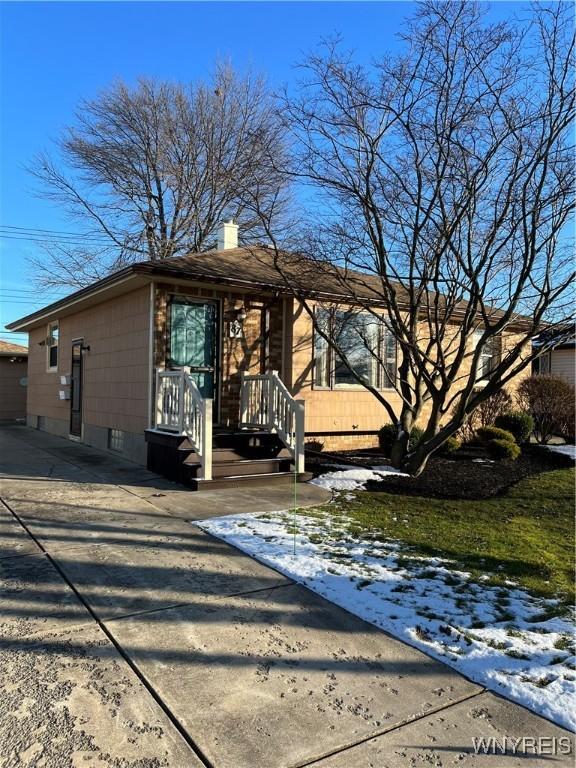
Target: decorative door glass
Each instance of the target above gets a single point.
(193, 342)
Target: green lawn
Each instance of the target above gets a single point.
(526, 536)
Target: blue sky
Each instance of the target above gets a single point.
(54, 54)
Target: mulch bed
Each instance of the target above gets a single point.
(461, 477)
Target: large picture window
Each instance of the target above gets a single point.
(364, 340)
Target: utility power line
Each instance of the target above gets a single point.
(54, 236)
(35, 291)
(54, 241)
(49, 231)
(31, 296)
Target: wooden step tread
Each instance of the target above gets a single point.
(272, 478)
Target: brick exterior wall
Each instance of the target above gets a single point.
(333, 416)
(259, 348)
(116, 384)
(344, 442)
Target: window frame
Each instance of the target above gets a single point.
(50, 346)
(493, 356)
(544, 364)
(381, 361)
(115, 440)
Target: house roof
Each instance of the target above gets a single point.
(558, 337)
(261, 267)
(241, 268)
(7, 349)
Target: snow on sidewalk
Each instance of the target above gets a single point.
(495, 635)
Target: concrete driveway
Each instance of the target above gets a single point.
(132, 639)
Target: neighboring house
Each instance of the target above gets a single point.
(13, 372)
(560, 360)
(202, 366)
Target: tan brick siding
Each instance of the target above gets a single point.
(115, 386)
(343, 410)
(116, 369)
(337, 442)
(235, 354)
(339, 410)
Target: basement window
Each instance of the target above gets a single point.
(115, 439)
(52, 346)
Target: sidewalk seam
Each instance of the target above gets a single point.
(167, 711)
(386, 731)
(148, 611)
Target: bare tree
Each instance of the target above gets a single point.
(149, 171)
(443, 184)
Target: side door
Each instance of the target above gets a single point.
(76, 384)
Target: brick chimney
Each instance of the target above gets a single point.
(227, 235)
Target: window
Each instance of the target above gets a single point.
(366, 342)
(52, 346)
(489, 355)
(542, 364)
(115, 439)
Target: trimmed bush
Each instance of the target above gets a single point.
(314, 445)
(503, 449)
(387, 437)
(494, 433)
(519, 423)
(449, 447)
(485, 415)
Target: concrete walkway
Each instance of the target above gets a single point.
(131, 639)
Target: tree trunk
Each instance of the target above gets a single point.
(399, 449)
(415, 463)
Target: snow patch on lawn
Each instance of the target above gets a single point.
(354, 479)
(499, 636)
(567, 450)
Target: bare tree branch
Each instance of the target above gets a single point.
(441, 184)
(154, 169)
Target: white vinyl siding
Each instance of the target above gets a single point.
(562, 363)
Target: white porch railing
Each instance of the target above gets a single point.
(181, 408)
(265, 402)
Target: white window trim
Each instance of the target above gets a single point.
(49, 327)
(333, 386)
(476, 336)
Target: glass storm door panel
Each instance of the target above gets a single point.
(193, 342)
(76, 390)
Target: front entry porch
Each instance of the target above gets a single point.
(266, 446)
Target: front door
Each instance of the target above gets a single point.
(194, 342)
(76, 390)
